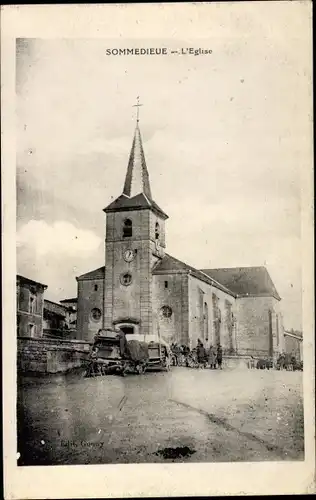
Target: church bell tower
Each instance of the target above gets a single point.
(134, 242)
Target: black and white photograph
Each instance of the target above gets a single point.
(159, 293)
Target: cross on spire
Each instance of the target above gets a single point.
(137, 106)
(136, 193)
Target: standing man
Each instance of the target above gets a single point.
(212, 357)
(219, 356)
(177, 353)
(201, 354)
(93, 369)
(123, 342)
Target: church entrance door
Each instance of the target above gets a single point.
(127, 329)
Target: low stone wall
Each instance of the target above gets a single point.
(44, 355)
(237, 362)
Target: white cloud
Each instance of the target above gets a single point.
(61, 238)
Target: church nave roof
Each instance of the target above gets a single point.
(96, 274)
(245, 281)
(237, 281)
(171, 265)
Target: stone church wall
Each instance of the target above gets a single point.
(132, 303)
(153, 219)
(171, 290)
(202, 318)
(90, 296)
(140, 220)
(253, 330)
(126, 299)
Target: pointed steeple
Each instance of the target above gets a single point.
(137, 177)
(136, 192)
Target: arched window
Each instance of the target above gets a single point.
(157, 231)
(205, 321)
(270, 333)
(127, 228)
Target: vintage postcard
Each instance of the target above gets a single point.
(158, 216)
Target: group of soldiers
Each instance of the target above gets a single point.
(285, 361)
(198, 356)
(288, 361)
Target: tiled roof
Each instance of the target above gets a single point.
(93, 275)
(66, 301)
(136, 191)
(294, 333)
(245, 281)
(30, 282)
(137, 178)
(54, 307)
(138, 202)
(171, 265)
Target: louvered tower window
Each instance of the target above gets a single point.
(127, 228)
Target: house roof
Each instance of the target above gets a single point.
(93, 275)
(294, 333)
(54, 307)
(66, 301)
(30, 282)
(171, 265)
(245, 281)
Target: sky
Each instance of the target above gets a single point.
(224, 140)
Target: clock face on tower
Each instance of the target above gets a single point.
(129, 255)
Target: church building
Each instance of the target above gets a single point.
(143, 289)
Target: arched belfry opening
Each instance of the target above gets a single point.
(127, 228)
(157, 231)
